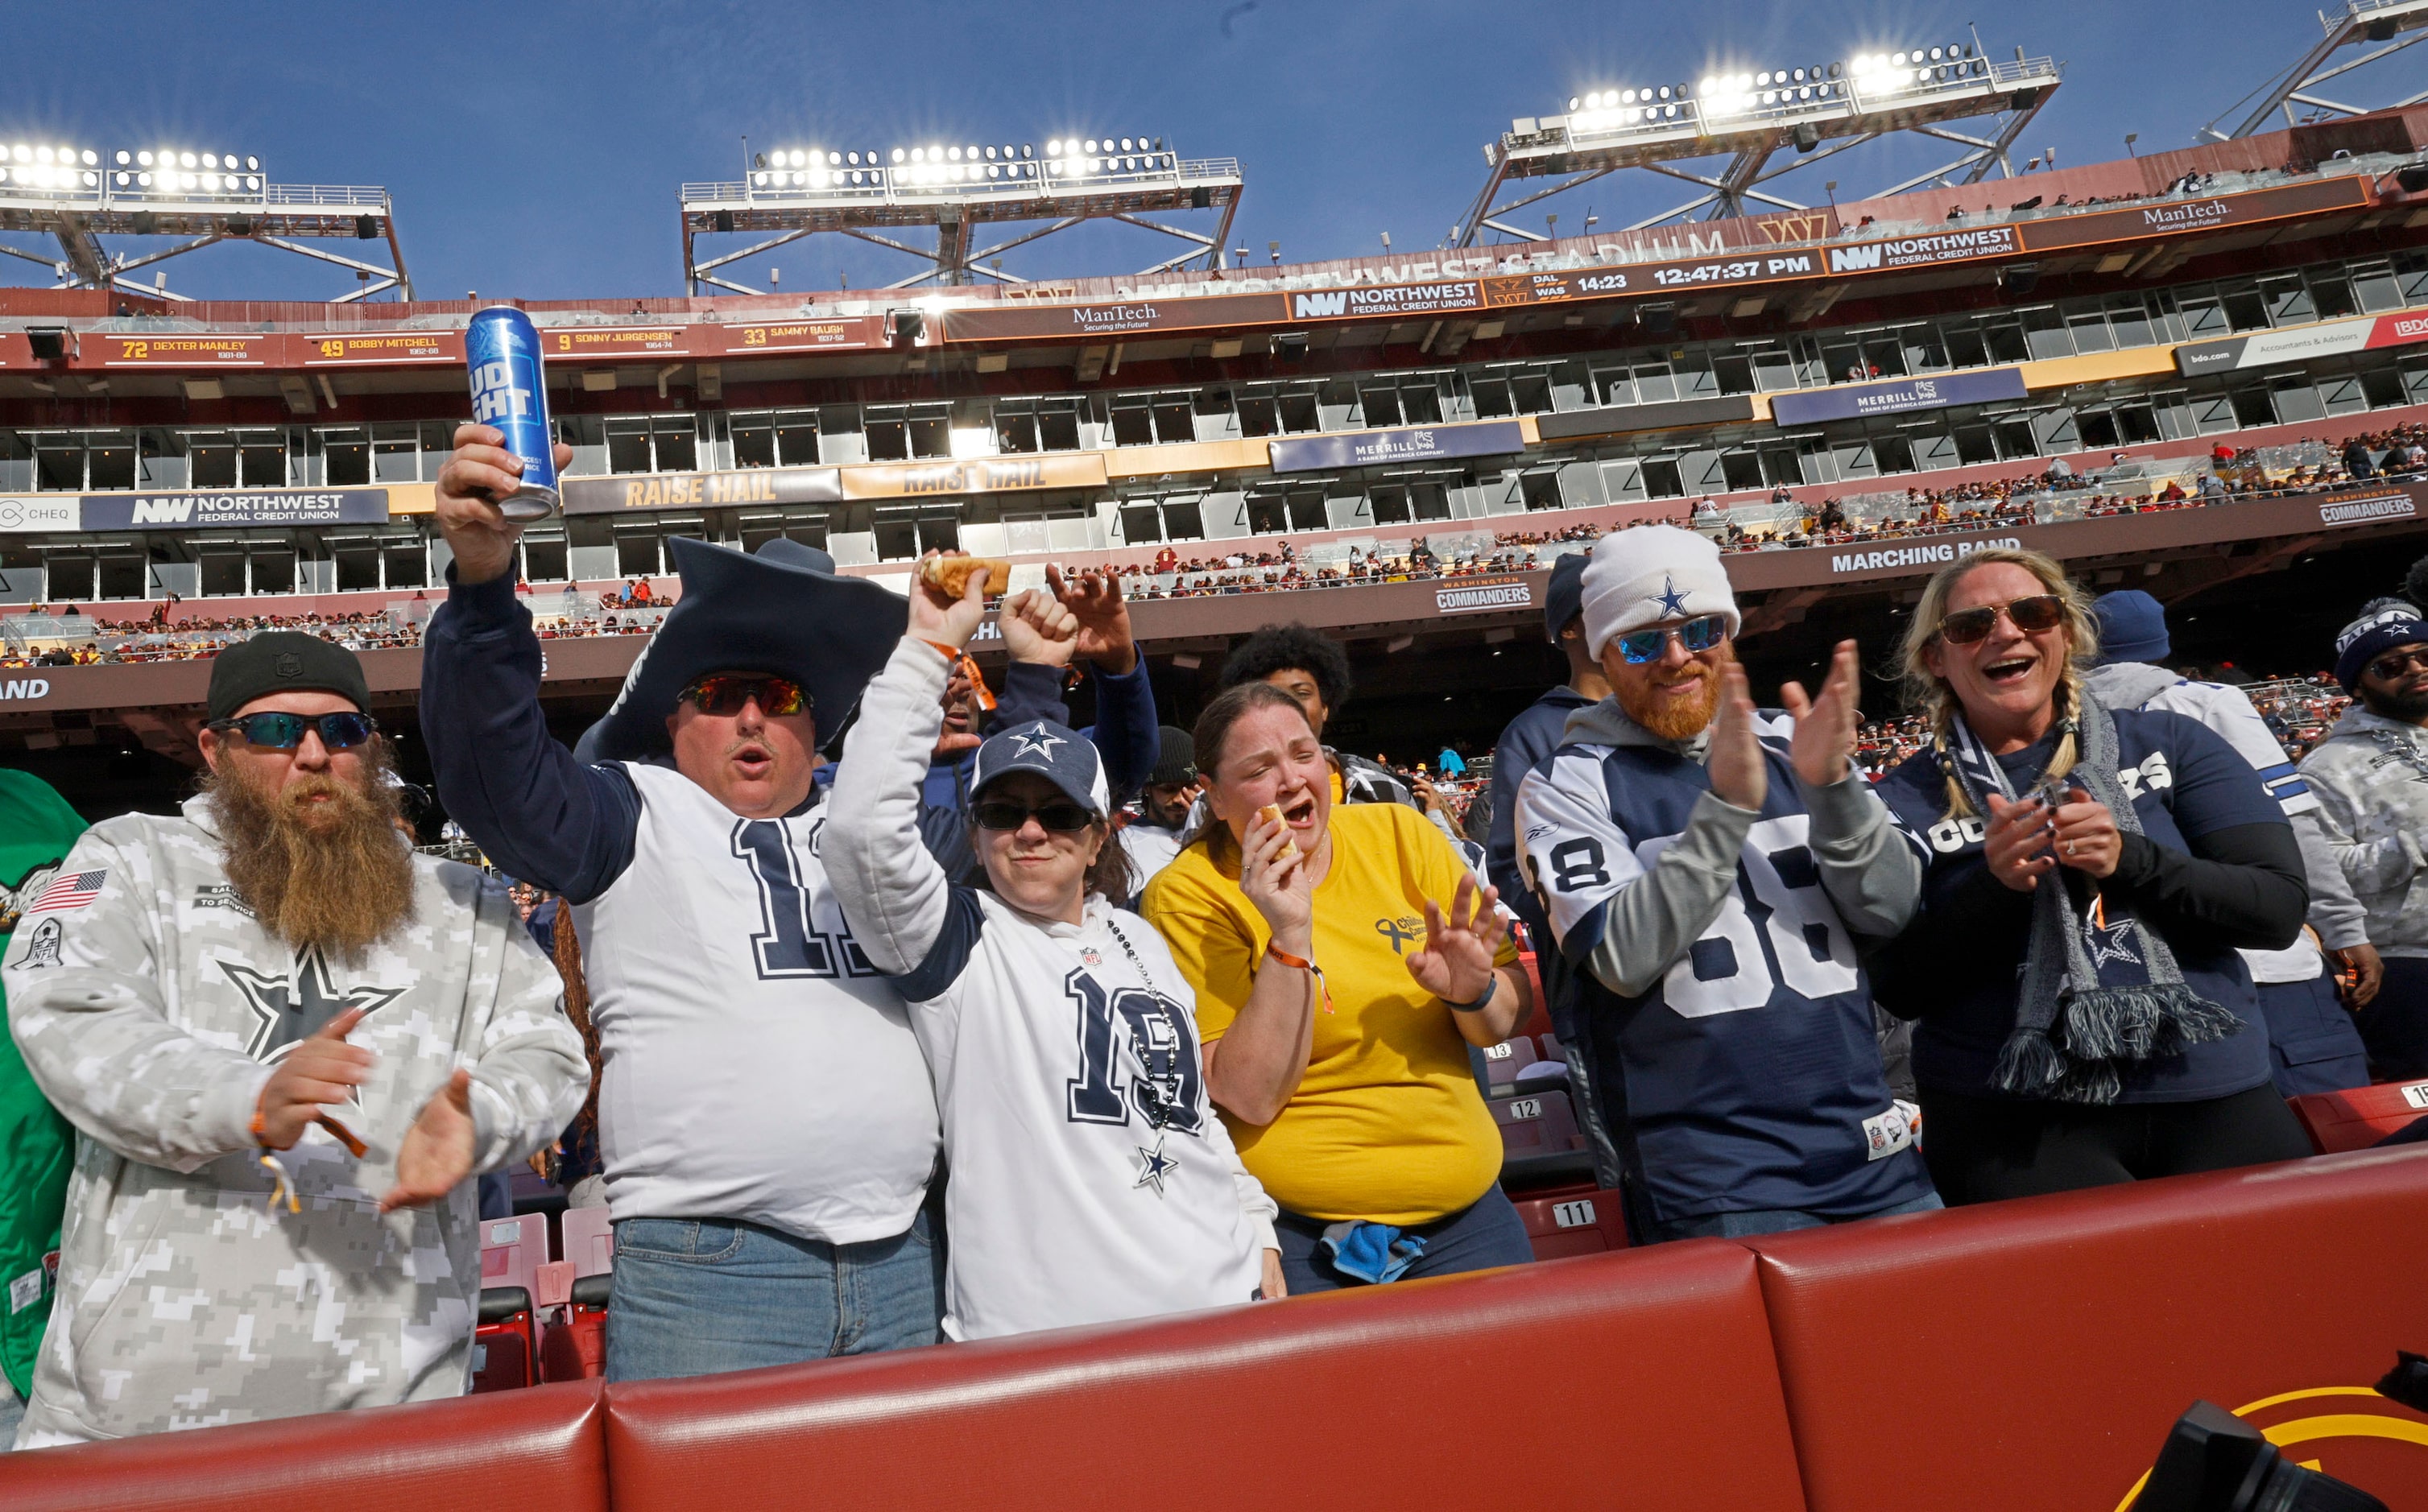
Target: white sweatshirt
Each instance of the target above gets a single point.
(1039, 1034)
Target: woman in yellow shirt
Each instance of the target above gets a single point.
(1336, 995)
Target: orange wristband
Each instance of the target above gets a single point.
(939, 647)
(1298, 963)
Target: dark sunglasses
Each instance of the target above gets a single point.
(2395, 663)
(725, 693)
(284, 732)
(1061, 818)
(2041, 611)
(1698, 634)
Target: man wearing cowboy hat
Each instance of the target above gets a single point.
(767, 1121)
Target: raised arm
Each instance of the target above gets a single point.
(523, 798)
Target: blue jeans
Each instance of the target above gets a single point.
(1484, 1234)
(1772, 1221)
(697, 1296)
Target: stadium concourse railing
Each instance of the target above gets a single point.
(2014, 1356)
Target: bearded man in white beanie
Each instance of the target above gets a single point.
(1707, 869)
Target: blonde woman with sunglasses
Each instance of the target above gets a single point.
(2084, 1016)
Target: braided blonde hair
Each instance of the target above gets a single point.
(1931, 695)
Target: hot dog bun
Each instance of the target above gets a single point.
(950, 576)
(1274, 812)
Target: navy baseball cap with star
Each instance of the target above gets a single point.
(1053, 752)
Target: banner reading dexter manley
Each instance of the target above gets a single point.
(235, 507)
(1898, 396)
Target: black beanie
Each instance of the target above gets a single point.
(1175, 758)
(282, 662)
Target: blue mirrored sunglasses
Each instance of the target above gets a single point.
(284, 732)
(1698, 634)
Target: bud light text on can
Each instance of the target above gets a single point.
(510, 392)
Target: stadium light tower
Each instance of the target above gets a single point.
(865, 192)
(82, 197)
(1753, 115)
(2396, 23)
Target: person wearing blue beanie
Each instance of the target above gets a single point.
(1527, 739)
(2313, 1044)
(2371, 774)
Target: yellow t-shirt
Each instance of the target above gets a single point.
(1386, 1124)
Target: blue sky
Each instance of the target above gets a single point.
(534, 149)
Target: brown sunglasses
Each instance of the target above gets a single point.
(2041, 611)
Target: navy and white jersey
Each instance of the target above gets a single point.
(2185, 782)
(755, 1064)
(1053, 1044)
(1746, 1075)
(2228, 711)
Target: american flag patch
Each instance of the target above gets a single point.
(71, 890)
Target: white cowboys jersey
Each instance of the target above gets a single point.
(1052, 1044)
(755, 1064)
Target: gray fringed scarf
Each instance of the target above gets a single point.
(2099, 991)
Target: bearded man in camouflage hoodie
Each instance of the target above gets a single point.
(287, 1044)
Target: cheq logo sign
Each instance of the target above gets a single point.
(38, 514)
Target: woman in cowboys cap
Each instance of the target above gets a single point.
(1091, 1178)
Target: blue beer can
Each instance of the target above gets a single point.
(510, 391)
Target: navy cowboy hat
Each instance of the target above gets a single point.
(784, 611)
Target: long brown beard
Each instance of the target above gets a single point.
(1676, 718)
(335, 876)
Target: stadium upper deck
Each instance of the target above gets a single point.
(2267, 292)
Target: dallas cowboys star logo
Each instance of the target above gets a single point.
(1153, 1167)
(294, 1008)
(2107, 943)
(1673, 603)
(1037, 741)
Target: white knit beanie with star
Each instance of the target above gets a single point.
(1649, 574)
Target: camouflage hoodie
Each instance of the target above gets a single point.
(149, 1006)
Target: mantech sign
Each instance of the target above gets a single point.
(1146, 315)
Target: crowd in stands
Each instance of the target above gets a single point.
(2229, 473)
(1125, 981)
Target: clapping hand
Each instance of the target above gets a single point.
(1824, 744)
(438, 1151)
(1456, 964)
(1735, 763)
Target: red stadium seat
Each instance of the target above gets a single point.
(1502, 1062)
(574, 1346)
(1579, 1221)
(513, 1250)
(1666, 1397)
(589, 1240)
(2033, 1353)
(505, 1341)
(540, 1450)
(1537, 1123)
(2361, 1116)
